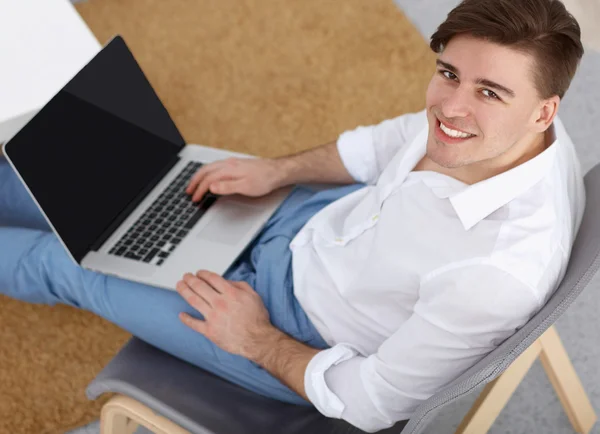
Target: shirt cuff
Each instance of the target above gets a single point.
(356, 151)
(315, 385)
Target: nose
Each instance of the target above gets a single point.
(456, 104)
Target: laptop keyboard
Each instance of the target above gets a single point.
(158, 232)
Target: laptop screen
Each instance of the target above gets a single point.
(95, 146)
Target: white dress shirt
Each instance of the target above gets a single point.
(417, 276)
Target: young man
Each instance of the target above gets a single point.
(366, 299)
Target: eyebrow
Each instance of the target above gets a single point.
(483, 81)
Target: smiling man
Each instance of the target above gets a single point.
(364, 300)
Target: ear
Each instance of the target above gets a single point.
(546, 113)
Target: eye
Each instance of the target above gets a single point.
(490, 94)
(449, 75)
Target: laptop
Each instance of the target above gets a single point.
(107, 167)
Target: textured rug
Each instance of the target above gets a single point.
(266, 77)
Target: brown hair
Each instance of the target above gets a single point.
(541, 28)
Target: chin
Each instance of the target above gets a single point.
(444, 159)
(447, 163)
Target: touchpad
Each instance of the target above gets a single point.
(230, 223)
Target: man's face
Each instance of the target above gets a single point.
(487, 91)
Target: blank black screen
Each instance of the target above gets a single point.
(91, 150)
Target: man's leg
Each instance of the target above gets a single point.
(17, 208)
(34, 267)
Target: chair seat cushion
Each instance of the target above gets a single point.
(202, 402)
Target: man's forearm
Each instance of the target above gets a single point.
(318, 165)
(283, 357)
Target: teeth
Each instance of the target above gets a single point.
(454, 133)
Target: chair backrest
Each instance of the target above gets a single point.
(583, 265)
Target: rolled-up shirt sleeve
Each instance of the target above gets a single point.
(366, 150)
(461, 315)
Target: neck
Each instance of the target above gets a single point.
(480, 171)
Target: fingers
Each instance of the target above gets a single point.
(200, 173)
(196, 288)
(227, 186)
(215, 281)
(211, 173)
(198, 181)
(241, 284)
(204, 186)
(192, 298)
(193, 323)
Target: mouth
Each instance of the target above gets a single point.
(449, 135)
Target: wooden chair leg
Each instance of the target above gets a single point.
(565, 381)
(563, 377)
(123, 415)
(496, 394)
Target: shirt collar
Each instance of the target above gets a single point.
(473, 203)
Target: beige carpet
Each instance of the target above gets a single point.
(267, 77)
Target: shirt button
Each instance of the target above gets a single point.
(375, 217)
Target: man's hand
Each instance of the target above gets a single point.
(247, 176)
(235, 319)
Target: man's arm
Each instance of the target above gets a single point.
(322, 164)
(358, 155)
(460, 316)
(259, 176)
(236, 319)
(283, 357)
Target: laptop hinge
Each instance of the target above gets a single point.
(113, 226)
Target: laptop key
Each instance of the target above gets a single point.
(151, 255)
(194, 219)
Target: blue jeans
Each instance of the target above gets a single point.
(34, 267)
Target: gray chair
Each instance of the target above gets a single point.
(186, 398)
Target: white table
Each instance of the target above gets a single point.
(43, 44)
